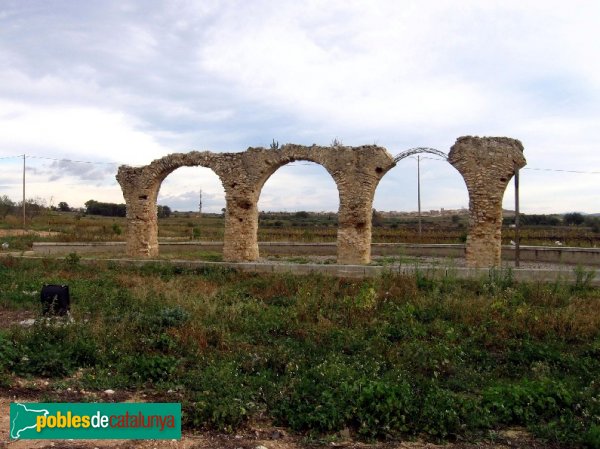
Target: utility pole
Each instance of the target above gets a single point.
(517, 221)
(419, 193)
(24, 222)
(200, 206)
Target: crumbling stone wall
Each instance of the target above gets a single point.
(487, 164)
(355, 170)
(140, 187)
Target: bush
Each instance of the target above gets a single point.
(149, 367)
(574, 218)
(72, 260)
(528, 402)
(116, 229)
(54, 348)
(219, 398)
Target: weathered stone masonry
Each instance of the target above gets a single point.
(487, 165)
(356, 172)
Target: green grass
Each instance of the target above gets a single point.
(395, 357)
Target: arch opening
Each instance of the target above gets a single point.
(196, 200)
(298, 202)
(443, 196)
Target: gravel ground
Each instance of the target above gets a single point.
(413, 261)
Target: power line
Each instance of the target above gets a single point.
(525, 168)
(291, 163)
(72, 160)
(564, 171)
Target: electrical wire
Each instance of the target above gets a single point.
(564, 171)
(295, 163)
(72, 160)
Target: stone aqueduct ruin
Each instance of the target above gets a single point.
(487, 164)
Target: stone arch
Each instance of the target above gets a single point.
(327, 187)
(286, 157)
(416, 151)
(140, 187)
(486, 163)
(356, 172)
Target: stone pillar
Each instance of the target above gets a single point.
(487, 164)
(354, 227)
(240, 243)
(142, 220)
(355, 215)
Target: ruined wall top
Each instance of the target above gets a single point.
(486, 151)
(255, 165)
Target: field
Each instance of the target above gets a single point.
(292, 227)
(317, 359)
(324, 359)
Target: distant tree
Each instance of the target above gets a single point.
(593, 222)
(63, 207)
(302, 214)
(7, 206)
(33, 207)
(93, 207)
(164, 211)
(534, 220)
(574, 218)
(377, 219)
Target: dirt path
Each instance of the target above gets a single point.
(20, 232)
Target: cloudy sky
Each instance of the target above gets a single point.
(126, 82)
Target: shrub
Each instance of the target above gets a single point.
(219, 397)
(54, 348)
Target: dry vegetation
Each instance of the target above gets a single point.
(295, 227)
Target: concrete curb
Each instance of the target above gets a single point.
(545, 254)
(566, 274)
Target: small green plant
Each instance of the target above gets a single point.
(592, 437)
(196, 233)
(583, 279)
(54, 348)
(149, 367)
(116, 229)
(72, 260)
(8, 355)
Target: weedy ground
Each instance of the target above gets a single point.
(397, 357)
(299, 227)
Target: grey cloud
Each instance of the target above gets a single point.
(84, 171)
(192, 75)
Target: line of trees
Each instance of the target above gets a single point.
(93, 207)
(35, 206)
